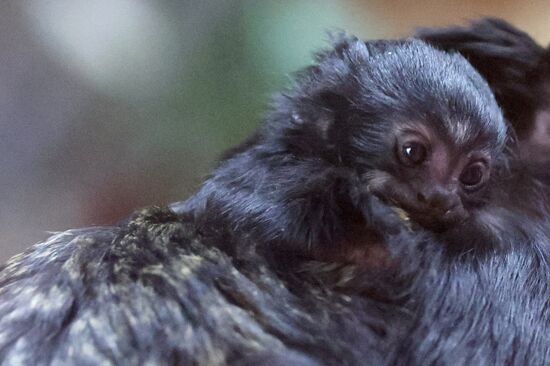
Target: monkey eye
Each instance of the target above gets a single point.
(472, 177)
(413, 153)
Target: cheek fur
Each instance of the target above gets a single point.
(376, 180)
(389, 189)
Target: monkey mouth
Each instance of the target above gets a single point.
(440, 222)
(420, 216)
(434, 220)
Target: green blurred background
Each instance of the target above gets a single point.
(110, 105)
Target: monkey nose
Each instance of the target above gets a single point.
(438, 200)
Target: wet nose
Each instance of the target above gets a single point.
(438, 199)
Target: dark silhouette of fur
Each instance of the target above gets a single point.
(257, 267)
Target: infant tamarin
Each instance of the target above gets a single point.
(373, 125)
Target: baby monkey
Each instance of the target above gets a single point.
(371, 127)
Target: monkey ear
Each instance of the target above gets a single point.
(318, 122)
(323, 97)
(315, 124)
(334, 101)
(325, 91)
(338, 106)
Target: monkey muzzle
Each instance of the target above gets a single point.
(438, 219)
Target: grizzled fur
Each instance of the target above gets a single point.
(227, 277)
(152, 291)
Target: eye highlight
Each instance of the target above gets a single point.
(412, 153)
(473, 176)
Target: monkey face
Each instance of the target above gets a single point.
(419, 127)
(437, 179)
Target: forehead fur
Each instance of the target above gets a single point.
(407, 79)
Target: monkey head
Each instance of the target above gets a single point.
(420, 128)
(370, 127)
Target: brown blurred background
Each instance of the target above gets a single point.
(109, 105)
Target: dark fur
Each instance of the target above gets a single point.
(516, 68)
(302, 184)
(508, 58)
(231, 278)
(151, 291)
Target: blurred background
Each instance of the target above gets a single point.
(110, 105)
